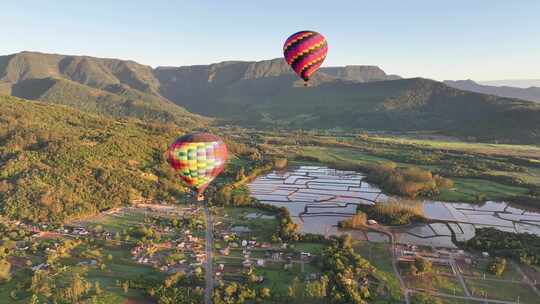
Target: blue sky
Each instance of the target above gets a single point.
(477, 39)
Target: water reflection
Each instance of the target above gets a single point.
(319, 197)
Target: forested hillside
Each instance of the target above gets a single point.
(112, 87)
(58, 163)
(266, 94)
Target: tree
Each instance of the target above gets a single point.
(5, 270)
(125, 286)
(97, 288)
(294, 291)
(41, 283)
(497, 266)
(77, 287)
(265, 293)
(317, 289)
(34, 299)
(422, 265)
(240, 174)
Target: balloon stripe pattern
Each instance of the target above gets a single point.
(305, 52)
(198, 158)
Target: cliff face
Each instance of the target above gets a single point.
(359, 73)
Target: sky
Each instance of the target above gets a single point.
(474, 39)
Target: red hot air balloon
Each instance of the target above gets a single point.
(305, 51)
(199, 158)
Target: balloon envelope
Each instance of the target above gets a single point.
(305, 52)
(199, 158)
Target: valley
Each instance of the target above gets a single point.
(91, 210)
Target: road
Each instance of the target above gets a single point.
(209, 272)
(526, 278)
(404, 288)
(457, 272)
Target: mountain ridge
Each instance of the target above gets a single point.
(530, 93)
(267, 94)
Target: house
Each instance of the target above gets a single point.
(260, 262)
(305, 254)
(40, 266)
(246, 263)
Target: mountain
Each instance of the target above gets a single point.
(530, 93)
(198, 87)
(359, 73)
(517, 83)
(107, 86)
(267, 94)
(58, 163)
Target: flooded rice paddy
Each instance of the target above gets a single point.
(319, 197)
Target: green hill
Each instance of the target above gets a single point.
(399, 105)
(58, 163)
(106, 86)
(267, 94)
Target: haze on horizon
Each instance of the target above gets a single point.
(480, 40)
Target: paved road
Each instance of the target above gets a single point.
(209, 272)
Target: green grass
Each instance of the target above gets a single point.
(438, 283)
(261, 229)
(521, 150)
(466, 190)
(119, 222)
(278, 280)
(349, 155)
(313, 248)
(502, 290)
(480, 269)
(378, 255)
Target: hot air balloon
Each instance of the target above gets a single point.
(305, 51)
(199, 158)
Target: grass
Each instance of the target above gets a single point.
(464, 190)
(378, 254)
(480, 269)
(119, 222)
(438, 283)
(502, 290)
(313, 248)
(261, 229)
(467, 189)
(496, 149)
(278, 280)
